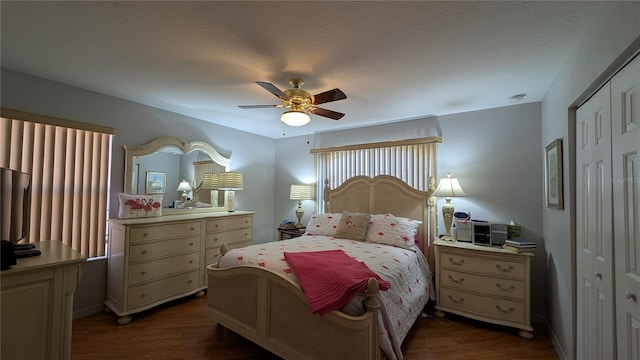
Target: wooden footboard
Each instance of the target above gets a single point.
(273, 312)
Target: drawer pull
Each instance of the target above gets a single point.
(505, 311)
(142, 296)
(630, 296)
(143, 272)
(598, 275)
(509, 269)
(460, 301)
(460, 281)
(144, 235)
(190, 261)
(216, 225)
(191, 243)
(456, 263)
(190, 281)
(192, 228)
(510, 288)
(144, 252)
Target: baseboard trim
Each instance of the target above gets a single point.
(88, 311)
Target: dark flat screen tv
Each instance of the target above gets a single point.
(15, 201)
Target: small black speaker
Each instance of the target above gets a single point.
(7, 255)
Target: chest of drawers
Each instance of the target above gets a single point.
(155, 260)
(484, 283)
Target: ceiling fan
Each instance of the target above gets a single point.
(300, 102)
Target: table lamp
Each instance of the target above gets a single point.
(448, 188)
(231, 181)
(300, 192)
(184, 187)
(211, 182)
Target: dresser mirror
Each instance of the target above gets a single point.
(159, 166)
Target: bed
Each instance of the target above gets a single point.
(272, 310)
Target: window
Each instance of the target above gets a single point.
(413, 161)
(70, 167)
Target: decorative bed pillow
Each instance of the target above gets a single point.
(137, 206)
(323, 224)
(395, 231)
(353, 226)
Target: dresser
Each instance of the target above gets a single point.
(484, 283)
(37, 303)
(159, 259)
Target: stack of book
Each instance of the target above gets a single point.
(519, 245)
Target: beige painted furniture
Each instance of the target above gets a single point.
(273, 312)
(158, 259)
(484, 283)
(37, 303)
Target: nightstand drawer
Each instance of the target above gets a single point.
(483, 306)
(233, 222)
(159, 268)
(148, 293)
(146, 251)
(150, 233)
(483, 264)
(482, 284)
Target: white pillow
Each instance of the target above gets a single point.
(323, 224)
(137, 206)
(391, 230)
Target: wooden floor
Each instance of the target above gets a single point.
(180, 330)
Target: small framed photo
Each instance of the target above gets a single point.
(553, 175)
(156, 182)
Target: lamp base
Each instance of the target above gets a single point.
(447, 217)
(299, 214)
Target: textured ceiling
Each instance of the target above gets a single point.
(394, 60)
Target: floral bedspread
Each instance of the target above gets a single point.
(407, 271)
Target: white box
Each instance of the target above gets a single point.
(463, 230)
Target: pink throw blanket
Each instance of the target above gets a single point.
(330, 279)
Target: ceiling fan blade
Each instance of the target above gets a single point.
(259, 106)
(328, 96)
(273, 89)
(327, 113)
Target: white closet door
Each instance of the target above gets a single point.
(594, 243)
(625, 114)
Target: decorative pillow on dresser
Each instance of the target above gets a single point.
(323, 224)
(392, 230)
(353, 226)
(132, 206)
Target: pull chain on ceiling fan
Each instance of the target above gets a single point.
(300, 103)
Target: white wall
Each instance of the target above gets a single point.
(494, 153)
(610, 40)
(250, 154)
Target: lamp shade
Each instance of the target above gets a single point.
(295, 118)
(184, 186)
(231, 181)
(211, 181)
(301, 192)
(449, 187)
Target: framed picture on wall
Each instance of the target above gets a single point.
(553, 175)
(156, 182)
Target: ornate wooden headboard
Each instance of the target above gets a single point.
(385, 194)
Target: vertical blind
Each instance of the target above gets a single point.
(70, 176)
(414, 162)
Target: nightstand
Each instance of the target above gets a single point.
(285, 234)
(484, 283)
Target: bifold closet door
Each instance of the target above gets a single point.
(625, 117)
(594, 231)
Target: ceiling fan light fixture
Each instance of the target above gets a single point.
(295, 118)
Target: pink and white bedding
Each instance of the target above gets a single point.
(407, 271)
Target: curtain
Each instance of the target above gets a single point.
(70, 175)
